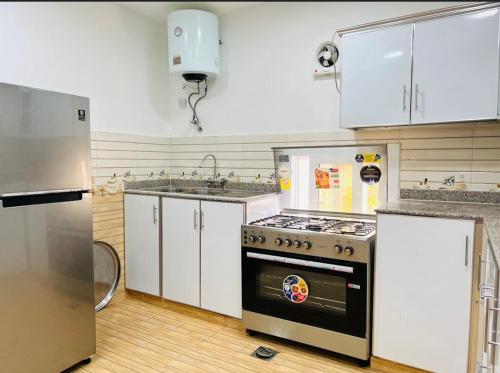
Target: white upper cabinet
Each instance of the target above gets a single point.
(448, 68)
(376, 77)
(455, 68)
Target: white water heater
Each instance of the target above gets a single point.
(193, 44)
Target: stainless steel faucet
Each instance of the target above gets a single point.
(215, 165)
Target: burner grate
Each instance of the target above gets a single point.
(315, 224)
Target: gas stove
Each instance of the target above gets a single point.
(308, 278)
(318, 224)
(310, 235)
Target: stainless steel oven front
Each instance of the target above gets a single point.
(317, 300)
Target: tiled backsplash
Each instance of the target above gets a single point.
(471, 151)
(117, 153)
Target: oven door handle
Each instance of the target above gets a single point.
(301, 262)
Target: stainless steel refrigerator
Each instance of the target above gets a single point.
(47, 318)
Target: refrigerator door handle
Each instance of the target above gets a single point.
(41, 192)
(41, 197)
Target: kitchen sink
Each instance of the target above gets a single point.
(208, 191)
(169, 189)
(199, 191)
(243, 193)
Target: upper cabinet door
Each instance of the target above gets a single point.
(455, 68)
(376, 77)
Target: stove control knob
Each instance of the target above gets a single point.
(307, 245)
(261, 239)
(349, 250)
(338, 249)
(297, 244)
(252, 238)
(288, 242)
(278, 241)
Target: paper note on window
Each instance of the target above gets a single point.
(322, 179)
(285, 184)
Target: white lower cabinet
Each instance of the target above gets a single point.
(422, 291)
(202, 254)
(142, 243)
(181, 250)
(221, 257)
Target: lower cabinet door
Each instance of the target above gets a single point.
(221, 257)
(181, 250)
(422, 291)
(142, 243)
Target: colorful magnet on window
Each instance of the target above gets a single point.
(359, 158)
(369, 157)
(370, 174)
(295, 289)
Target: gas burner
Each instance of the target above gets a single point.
(317, 224)
(352, 227)
(315, 227)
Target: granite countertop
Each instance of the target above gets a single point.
(234, 191)
(489, 214)
(222, 198)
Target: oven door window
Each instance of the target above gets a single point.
(311, 295)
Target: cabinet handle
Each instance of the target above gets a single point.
(416, 96)
(466, 250)
(195, 213)
(202, 220)
(404, 97)
(154, 215)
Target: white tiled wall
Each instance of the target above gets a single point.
(116, 153)
(433, 152)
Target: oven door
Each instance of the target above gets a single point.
(329, 294)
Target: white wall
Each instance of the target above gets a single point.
(266, 84)
(99, 50)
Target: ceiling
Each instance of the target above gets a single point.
(158, 10)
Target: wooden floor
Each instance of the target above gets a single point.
(138, 336)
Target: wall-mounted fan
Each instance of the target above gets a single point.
(327, 54)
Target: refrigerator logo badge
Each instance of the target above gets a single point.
(353, 286)
(81, 114)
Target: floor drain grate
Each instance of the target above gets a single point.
(264, 353)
